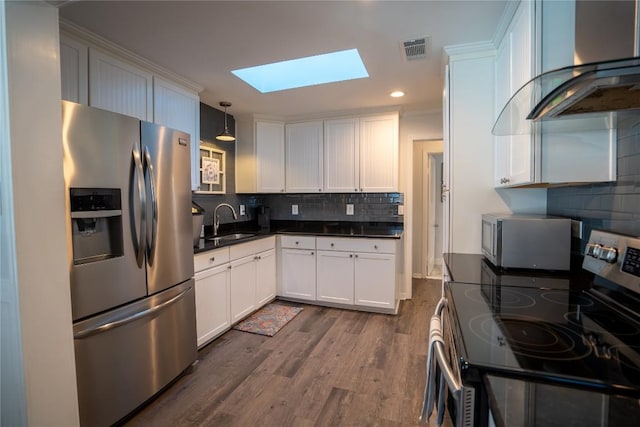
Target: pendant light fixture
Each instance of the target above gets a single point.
(225, 136)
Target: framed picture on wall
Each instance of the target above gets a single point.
(212, 170)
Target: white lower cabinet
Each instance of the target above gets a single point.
(374, 280)
(243, 287)
(212, 294)
(266, 277)
(348, 272)
(298, 267)
(334, 277)
(231, 283)
(212, 303)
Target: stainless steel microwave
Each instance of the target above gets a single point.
(527, 241)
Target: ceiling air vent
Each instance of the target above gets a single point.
(416, 48)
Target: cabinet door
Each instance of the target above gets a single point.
(74, 70)
(304, 157)
(179, 109)
(119, 87)
(379, 153)
(375, 280)
(269, 157)
(265, 277)
(212, 303)
(334, 278)
(299, 273)
(243, 288)
(341, 155)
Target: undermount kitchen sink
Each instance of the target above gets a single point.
(231, 237)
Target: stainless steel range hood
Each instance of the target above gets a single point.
(581, 97)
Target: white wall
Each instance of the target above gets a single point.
(413, 126)
(471, 151)
(41, 260)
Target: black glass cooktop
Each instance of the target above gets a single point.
(550, 334)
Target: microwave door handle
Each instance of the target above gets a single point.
(154, 204)
(137, 178)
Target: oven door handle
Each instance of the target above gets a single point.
(454, 383)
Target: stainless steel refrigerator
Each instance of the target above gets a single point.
(130, 244)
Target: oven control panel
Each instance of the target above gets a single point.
(615, 257)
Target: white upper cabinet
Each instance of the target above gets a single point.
(96, 72)
(259, 156)
(548, 154)
(178, 108)
(379, 153)
(120, 87)
(304, 148)
(514, 153)
(341, 155)
(361, 154)
(74, 70)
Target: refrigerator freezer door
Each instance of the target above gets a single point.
(125, 356)
(99, 154)
(166, 155)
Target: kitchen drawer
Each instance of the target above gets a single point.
(298, 242)
(354, 244)
(214, 258)
(253, 247)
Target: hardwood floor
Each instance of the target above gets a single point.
(327, 367)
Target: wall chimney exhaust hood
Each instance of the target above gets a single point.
(581, 97)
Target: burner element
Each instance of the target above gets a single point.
(509, 298)
(530, 337)
(562, 297)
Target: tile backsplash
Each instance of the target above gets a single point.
(611, 206)
(367, 207)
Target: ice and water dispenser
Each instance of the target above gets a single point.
(96, 218)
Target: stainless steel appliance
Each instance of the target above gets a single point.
(130, 258)
(527, 241)
(540, 348)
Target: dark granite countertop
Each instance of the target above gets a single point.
(315, 228)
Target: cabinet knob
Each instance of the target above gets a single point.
(297, 243)
(332, 245)
(229, 267)
(361, 189)
(356, 255)
(355, 189)
(312, 253)
(350, 255)
(320, 190)
(375, 246)
(212, 259)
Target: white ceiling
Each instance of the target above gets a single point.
(204, 40)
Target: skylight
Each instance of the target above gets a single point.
(312, 70)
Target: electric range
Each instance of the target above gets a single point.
(547, 330)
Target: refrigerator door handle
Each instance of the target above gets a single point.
(154, 205)
(112, 324)
(137, 174)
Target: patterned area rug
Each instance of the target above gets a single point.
(268, 320)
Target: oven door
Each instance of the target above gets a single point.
(443, 374)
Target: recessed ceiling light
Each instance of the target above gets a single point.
(397, 94)
(309, 71)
